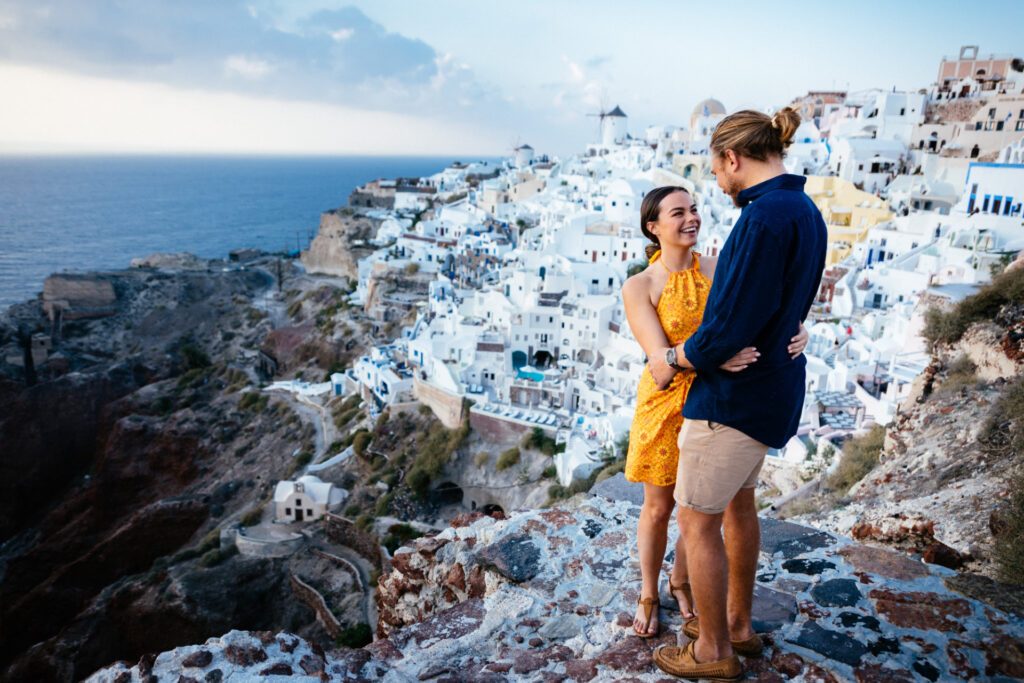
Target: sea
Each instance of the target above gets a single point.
(85, 213)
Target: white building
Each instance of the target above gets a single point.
(306, 499)
(868, 163)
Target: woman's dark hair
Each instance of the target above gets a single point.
(649, 210)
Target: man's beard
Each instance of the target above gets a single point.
(733, 189)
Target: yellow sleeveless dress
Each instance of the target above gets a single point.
(653, 450)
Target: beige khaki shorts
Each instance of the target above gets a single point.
(715, 462)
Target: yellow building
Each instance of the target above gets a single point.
(848, 212)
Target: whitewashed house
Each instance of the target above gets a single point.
(305, 500)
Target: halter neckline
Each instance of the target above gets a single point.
(694, 265)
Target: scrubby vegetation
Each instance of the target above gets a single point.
(1002, 437)
(355, 636)
(948, 327)
(860, 455)
(537, 440)
(254, 401)
(252, 517)
(508, 459)
(399, 535)
(960, 374)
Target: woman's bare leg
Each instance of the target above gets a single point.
(680, 575)
(651, 539)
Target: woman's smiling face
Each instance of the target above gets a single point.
(678, 220)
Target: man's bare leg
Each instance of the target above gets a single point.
(742, 546)
(709, 571)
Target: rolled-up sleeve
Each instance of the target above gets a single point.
(747, 293)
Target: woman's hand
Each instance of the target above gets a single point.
(799, 342)
(662, 372)
(741, 360)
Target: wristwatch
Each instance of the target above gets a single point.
(670, 358)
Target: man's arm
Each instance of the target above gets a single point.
(747, 295)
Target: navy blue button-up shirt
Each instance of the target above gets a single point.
(767, 277)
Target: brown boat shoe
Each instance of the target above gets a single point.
(751, 647)
(681, 661)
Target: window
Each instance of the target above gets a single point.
(984, 204)
(997, 203)
(1020, 125)
(903, 110)
(1009, 203)
(298, 502)
(999, 125)
(309, 512)
(977, 125)
(992, 113)
(287, 511)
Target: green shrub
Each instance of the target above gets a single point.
(361, 442)
(1009, 543)
(947, 327)
(383, 503)
(193, 356)
(860, 456)
(435, 451)
(254, 401)
(481, 458)
(550, 471)
(398, 535)
(214, 557)
(411, 268)
(1002, 434)
(364, 521)
(192, 378)
(356, 636)
(961, 374)
(252, 517)
(537, 440)
(508, 459)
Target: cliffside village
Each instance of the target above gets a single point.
(922, 193)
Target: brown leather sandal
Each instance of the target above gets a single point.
(685, 588)
(650, 605)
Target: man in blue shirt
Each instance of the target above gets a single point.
(767, 277)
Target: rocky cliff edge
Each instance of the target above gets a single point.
(548, 595)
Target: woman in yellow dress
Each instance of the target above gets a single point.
(664, 305)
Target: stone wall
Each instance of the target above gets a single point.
(311, 597)
(255, 547)
(79, 296)
(496, 430)
(344, 531)
(446, 406)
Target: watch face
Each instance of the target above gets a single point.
(670, 356)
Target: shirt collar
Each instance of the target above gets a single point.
(785, 181)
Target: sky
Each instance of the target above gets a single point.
(458, 77)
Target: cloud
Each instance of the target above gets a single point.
(247, 67)
(336, 56)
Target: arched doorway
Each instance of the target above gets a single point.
(448, 493)
(492, 508)
(542, 359)
(518, 359)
